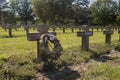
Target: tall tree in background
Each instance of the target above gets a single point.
(45, 10)
(118, 17)
(81, 11)
(104, 12)
(64, 11)
(24, 9)
(3, 7)
(7, 16)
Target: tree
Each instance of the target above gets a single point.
(7, 17)
(3, 7)
(103, 12)
(43, 9)
(24, 9)
(81, 12)
(9, 20)
(118, 17)
(64, 12)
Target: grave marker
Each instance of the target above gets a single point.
(35, 36)
(43, 29)
(85, 33)
(108, 32)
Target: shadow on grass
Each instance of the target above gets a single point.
(63, 74)
(14, 36)
(50, 71)
(101, 57)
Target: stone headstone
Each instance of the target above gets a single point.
(85, 33)
(33, 36)
(43, 29)
(108, 28)
(85, 28)
(108, 32)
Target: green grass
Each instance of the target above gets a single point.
(17, 55)
(104, 72)
(18, 44)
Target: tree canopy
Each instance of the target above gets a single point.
(61, 11)
(104, 12)
(23, 8)
(77, 12)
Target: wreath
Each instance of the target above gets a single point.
(46, 42)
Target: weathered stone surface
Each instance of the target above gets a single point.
(43, 29)
(33, 36)
(85, 28)
(83, 34)
(107, 32)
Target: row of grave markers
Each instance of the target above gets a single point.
(84, 33)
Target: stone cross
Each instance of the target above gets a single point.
(108, 32)
(43, 29)
(85, 33)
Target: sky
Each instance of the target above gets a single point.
(92, 1)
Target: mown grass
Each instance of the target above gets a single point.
(103, 72)
(17, 55)
(18, 44)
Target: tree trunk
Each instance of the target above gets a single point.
(64, 29)
(54, 29)
(10, 32)
(97, 29)
(92, 29)
(72, 30)
(15, 29)
(101, 28)
(79, 29)
(27, 29)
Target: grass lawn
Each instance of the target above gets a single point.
(19, 44)
(17, 55)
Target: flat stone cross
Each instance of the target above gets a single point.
(43, 29)
(85, 28)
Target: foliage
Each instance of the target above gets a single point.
(81, 12)
(118, 17)
(23, 8)
(3, 7)
(72, 11)
(41, 9)
(118, 20)
(104, 12)
(9, 17)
